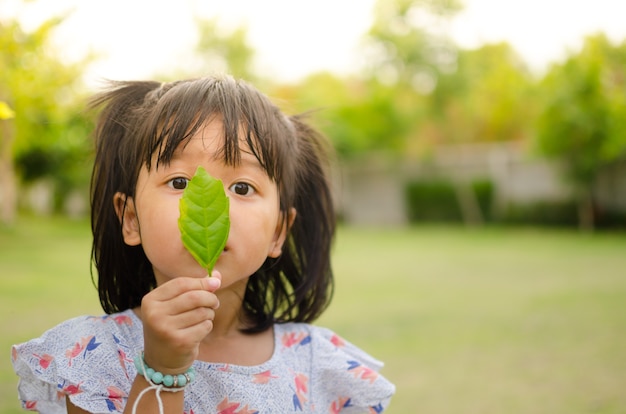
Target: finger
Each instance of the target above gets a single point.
(191, 300)
(180, 285)
(193, 334)
(216, 274)
(193, 317)
(172, 330)
(214, 281)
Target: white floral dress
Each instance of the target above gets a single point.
(90, 359)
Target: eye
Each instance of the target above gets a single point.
(243, 189)
(178, 183)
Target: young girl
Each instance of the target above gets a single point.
(174, 340)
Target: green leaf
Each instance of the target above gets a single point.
(204, 221)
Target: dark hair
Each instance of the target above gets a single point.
(142, 120)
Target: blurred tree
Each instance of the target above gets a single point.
(369, 120)
(219, 50)
(359, 116)
(231, 48)
(408, 43)
(583, 122)
(47, 137)
(489, 97)
(406, 50)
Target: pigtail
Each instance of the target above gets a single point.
(313, 230)
(116, 167)
(298, 286)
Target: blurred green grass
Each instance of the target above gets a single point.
(482, 321)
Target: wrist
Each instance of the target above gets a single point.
(166, 362)
(170, 380)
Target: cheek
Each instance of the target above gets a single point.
(159, 229)
(162, 236)
(253, 225)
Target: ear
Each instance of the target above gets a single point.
(127, 214)
(280, 235)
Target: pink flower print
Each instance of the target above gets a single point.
(339, 404)
(85, 345)
(362, 372)
(118, 319)
(337, 341)
(302, 383)
(227, 407)
(44, 360)
(263, 378)
(115, 393)
(72, 389)
(123, 320)
(121, 355)
(115, 399)
(30, 405)
(74, 352)
(225, 368)
(302, 388)
(292, 338)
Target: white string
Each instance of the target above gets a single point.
(157, 394)
(157, 387)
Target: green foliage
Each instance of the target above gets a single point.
(420, 92)
(487, 98)
(583, 121)
(218, 50)
(50, 131)
(484, 191)
(438, 200)
(542, 213)
(375, 124)
(406, 43)
(360, 117)
(405, 54)
(432, 201)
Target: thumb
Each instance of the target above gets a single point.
(215, 281)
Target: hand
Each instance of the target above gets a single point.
(176, 317)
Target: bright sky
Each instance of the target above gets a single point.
(296, 37)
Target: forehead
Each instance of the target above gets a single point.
(209, 137)
(209, 143)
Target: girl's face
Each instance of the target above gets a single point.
(256, 230)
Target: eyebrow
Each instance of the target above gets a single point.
(249, 159)
(246, 157)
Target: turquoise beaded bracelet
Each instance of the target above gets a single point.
(157, 378)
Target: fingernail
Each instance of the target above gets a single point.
(214, 283)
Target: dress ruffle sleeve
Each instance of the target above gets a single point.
(86, 359)
(350, 374)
